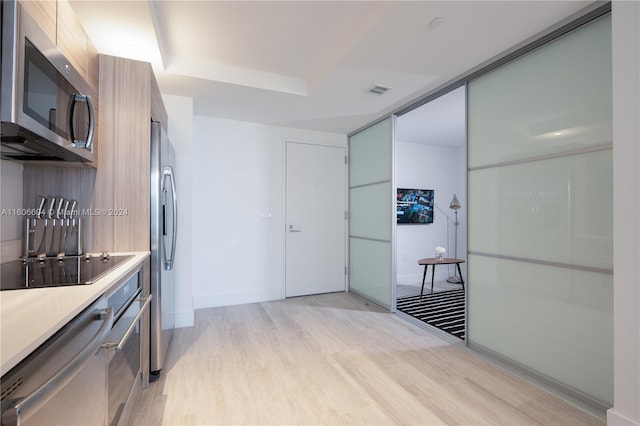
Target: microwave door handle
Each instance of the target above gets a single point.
(91, 117)
(168, 172)
(120, 345)
(70, 112)
(76, 97)
(25, 407)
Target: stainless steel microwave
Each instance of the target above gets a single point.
(46, 111)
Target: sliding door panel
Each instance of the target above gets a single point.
(540, 227)
(371, 206)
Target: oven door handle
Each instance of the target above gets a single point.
(119, 345)
(25, 407)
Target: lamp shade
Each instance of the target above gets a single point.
(455, 204)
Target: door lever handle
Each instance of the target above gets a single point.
(292, 229)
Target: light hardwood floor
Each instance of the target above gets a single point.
(334, 359)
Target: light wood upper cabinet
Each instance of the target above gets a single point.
(44, 13)
(71, 38)
(93, 67)
(129, 98)
(60, 23)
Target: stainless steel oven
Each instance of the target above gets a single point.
(46, 111)
(125, 349)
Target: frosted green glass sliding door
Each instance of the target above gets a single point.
(540, 216)
(371, 205)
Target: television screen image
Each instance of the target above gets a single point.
(414, 206)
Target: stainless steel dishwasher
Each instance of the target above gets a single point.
(64, 382)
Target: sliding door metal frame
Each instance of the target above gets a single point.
(392, 206)
(547, 383)
(364, 185)
(606, 271)
(570, 153)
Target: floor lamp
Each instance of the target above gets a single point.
(455, 205)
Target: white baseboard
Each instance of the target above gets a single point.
(616, 419)
(185, 319)
(227, 299)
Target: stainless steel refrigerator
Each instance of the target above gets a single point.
(163, 246)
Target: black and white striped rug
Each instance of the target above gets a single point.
(444, 310)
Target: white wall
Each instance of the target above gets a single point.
(11, 223)
(238, 205)
(441, 169)
(626, 200)
(180, 111)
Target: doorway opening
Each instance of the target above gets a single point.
(430, 155)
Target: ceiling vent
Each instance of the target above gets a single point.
(378, 90)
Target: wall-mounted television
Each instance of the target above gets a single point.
(414, 206)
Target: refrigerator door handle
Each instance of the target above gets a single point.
(168, 172)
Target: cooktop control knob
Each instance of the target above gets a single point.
(104, 256)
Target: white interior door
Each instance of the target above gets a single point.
(315, 241)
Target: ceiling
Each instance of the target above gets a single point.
(310, 64)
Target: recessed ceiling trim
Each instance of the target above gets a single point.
(153, 11)
(224, 73)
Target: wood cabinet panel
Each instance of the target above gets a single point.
(71, 38)
(100, 235)
(132, 177)
(59, 21)
(124, 169)
(44, 13)
(93, 67)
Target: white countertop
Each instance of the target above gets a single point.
(29, 317)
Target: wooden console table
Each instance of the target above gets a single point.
(433, 262)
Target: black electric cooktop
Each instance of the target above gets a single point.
(54, 272)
